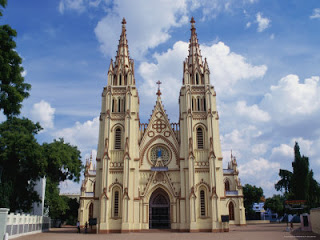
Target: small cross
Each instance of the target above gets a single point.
(159, 84)
(159, 92)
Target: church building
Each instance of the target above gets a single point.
(160, 174)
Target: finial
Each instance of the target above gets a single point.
(123, 21)
(192, 22)
(159, 92)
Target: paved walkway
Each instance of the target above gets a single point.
(254, 232)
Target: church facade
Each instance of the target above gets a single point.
(160, 174)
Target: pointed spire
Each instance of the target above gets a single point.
(122, 58)
(121, 71)
(194, 58)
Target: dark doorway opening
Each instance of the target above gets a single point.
(159, 210)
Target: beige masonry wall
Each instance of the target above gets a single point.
(315, 220)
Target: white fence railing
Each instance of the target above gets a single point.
(23, 224)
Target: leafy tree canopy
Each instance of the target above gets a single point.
(3, 3)
(251, 194)
(299, 184)
(64, 163)
(22, 163)
(13, 89)
(275, 204)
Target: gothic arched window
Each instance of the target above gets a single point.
(198, 104)
(116, 203)
(91, 210)
(227, 185)
(120, 80)
(119, 104)
(202, 203)
(200, 138)
(204, 104)
(192, 104)
(197, 79)
(115, 80)
(231, 211)
(117, 139)
(112, 108)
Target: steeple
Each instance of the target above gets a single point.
(194, 68)
(122, 57)
(194, 58)
(122, 70)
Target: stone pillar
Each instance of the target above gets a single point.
(3, 221)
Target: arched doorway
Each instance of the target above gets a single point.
(159, 210)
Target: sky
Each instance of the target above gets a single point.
(263, 56)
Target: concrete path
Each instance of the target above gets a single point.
(254, 232)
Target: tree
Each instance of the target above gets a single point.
(251, 194)
(13, 89)
(285, 181)
(63, 163)
(3, 3)
(22, 162)
(275, 204)
(300, 175)
(299, 184)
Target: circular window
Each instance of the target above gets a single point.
(161, 152)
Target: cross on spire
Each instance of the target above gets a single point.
(159, 92)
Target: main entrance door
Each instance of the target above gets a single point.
(159, 210)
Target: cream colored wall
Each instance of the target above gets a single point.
(315, 220)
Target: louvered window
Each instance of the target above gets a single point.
(200, 138)
(117, 142)
(116, 204)
(202, 204)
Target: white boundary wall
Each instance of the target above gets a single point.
(24, 224)
(315, 220)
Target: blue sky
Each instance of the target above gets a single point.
(264, 59)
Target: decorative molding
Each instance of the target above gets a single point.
(202, 183)
(115, 183)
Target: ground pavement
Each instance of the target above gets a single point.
(273, 231)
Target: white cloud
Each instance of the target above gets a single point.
(263, 23)
(43, 113)
(227, 68)
(166, 69)
(153, 24)
(259, 149)
(252, 112)
(76, 5)
(290, 98)
(315, 13)
(283, 150)
(248, 24)
(212, 8)
(83, 135)
(258, 166)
